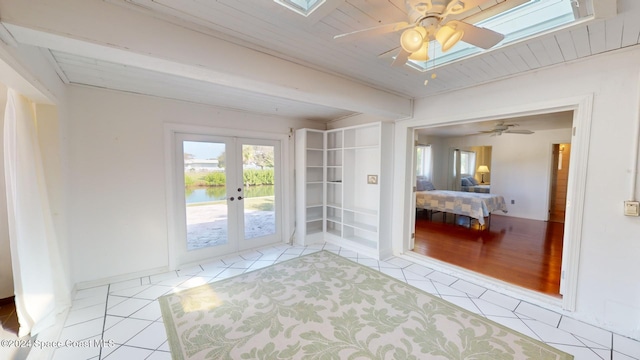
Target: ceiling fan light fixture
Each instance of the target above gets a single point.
(448, 36)
(422, 54)
(412, 39)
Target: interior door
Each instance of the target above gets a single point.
(229, 191)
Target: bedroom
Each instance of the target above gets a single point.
(520, 170)
(105, 133)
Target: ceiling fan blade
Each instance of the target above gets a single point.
(376, 30)
(458, 7)
(526, 132)
(477, 36)
(389, 53)
(401, 58)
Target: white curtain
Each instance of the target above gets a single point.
(424, 162)
(41, 290)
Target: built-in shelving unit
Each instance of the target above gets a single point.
(310, 169)
(355, 192)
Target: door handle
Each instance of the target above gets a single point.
(239, 198)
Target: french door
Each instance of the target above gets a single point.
(229, 195)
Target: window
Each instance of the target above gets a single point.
(467, 162)
(302, 7)
(424, 161)
(527, 19)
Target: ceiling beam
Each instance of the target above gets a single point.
(133, 38)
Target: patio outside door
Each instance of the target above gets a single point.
(229, 188)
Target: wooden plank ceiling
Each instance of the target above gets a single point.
(270, 28)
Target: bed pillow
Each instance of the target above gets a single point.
(466, 182)
(473, 181)
(424, 185)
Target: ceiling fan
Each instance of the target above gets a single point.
(502, 128)
(427, 21)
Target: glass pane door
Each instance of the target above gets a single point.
(260, 204)
(229, 195)
(205, 194)
(206, 218)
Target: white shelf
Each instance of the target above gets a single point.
(368, 147)
(314, 139)
(362, 226)
(334, 157)
(334, 219)
(313, 227)
(372, 212)
(334, 232)
(352, 206)
(314, 213)
(334, 139)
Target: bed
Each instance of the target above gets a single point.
(474, 205)
(469, 184)
(481, 189)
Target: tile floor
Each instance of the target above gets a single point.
(126, 317)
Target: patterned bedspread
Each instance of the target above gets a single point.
(474, 205)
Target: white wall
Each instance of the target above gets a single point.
(520, 168)
(608, 289)
(117, 166)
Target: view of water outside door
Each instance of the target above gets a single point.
(215, 186)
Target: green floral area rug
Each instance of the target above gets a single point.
(323, 306)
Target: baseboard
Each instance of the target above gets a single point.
(114, 279)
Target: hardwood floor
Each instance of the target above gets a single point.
(523, 252)
(8, 317)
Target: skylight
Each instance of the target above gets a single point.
(533, 17)
(302, 7)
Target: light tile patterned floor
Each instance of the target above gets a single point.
(126, 317)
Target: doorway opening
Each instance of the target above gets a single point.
(524, 246)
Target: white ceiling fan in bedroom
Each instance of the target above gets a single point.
(427, 22)
(502, 128)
